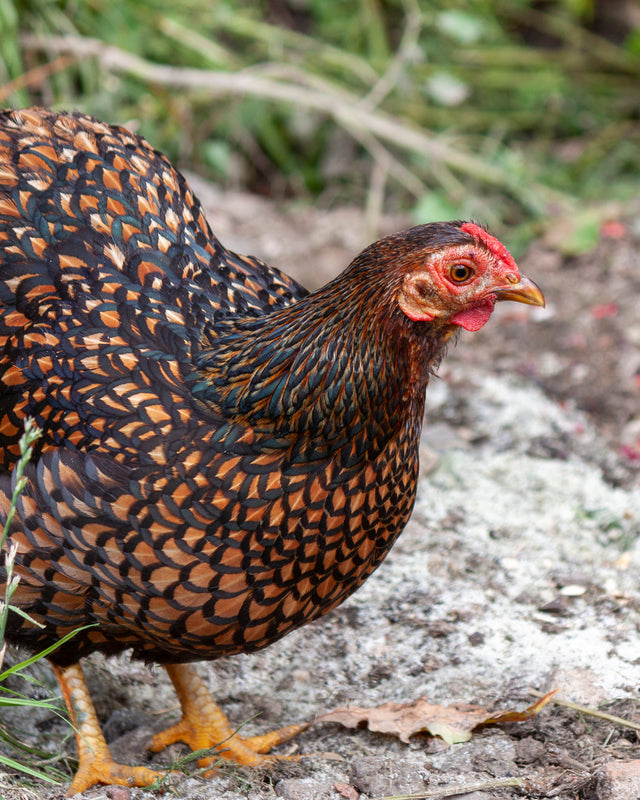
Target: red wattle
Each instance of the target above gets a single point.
(472, 319)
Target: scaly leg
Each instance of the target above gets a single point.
(203, 725)
(96, 764)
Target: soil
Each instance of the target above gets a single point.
(517, 573)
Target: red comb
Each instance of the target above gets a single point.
(491, 243)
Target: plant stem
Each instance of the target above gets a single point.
(29, 437)
(27, 440)
(339, 104)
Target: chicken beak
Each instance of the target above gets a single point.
(524, 291)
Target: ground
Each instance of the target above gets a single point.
(517, 572)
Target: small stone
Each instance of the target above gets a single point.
(303, 789)
(558, 606)
(573, 590)
(347, 791)
(440, 628)
(432, 663)
(528, 750)
(377, 777)
(118, 792)
(619, 780)
(564, 579)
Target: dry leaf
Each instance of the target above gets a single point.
(453, 723)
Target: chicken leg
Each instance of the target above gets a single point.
(96, 764)
(204, 725)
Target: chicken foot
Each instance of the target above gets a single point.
(96, 764)
(204, 725)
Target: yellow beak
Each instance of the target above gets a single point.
(525, 291)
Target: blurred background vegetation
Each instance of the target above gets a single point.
(521, 113)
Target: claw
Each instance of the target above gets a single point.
(96, 765)
(204, 726)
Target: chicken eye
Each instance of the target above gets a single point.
(460, 273)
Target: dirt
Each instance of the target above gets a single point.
(517, 573)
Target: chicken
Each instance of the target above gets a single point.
(224, 456)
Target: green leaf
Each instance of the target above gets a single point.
(39, 656)
(577, 233)
(11, 702)
(26, 616)
(460, 25)
(9, 762)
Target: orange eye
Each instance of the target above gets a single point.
(460, 273)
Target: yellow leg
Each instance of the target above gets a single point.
(203, 725)
(96, 764)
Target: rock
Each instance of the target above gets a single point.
(377, 777)
(579, 685)
(529, 750)
(492, 747)
(122, 721)
(619, 780)
(118, 792)
(303, 789)
(132, 746)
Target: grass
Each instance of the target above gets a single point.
(487, 108)
(9, 697)
(27, 441)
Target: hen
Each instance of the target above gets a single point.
(224, 456)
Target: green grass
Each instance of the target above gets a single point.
(537, 111)
(27, 755)
(27, 441)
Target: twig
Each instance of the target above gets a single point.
(258, 30)
(405, 50)
(204, 46)
(341, 106)
(452, 790)
(35, 76)
(396, 168)
(576, 36)
(591, 712)
(279, 71)
(375, 200)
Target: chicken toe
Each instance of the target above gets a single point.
(204, 726)
(96, 765)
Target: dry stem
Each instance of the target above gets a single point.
(591, 712)
(341, 105)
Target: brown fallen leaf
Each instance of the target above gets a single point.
(453, 724)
